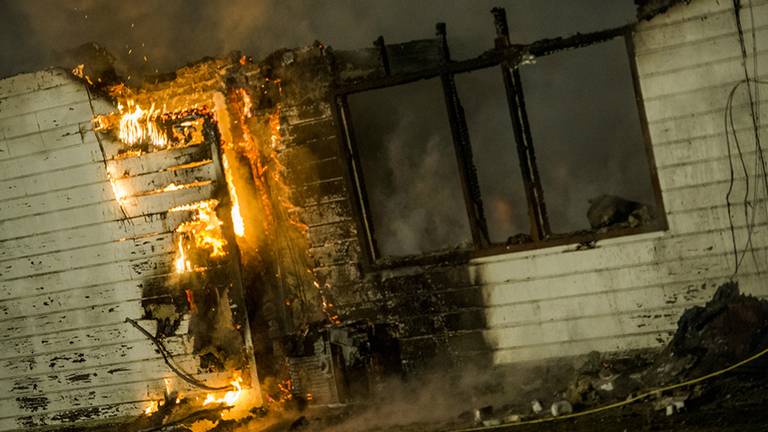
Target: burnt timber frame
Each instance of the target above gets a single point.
(508, 57)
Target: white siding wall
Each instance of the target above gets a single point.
(72, 268)
(629, 292)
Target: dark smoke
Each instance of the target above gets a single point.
(161, 35)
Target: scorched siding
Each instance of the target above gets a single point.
(628, 293)
(74, 263)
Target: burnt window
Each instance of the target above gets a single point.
(588, 139)
(493, 156)
(409, 169)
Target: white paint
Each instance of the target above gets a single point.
(72, 267)
(629, 292)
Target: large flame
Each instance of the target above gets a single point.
(182, 263)
(152, 407)
(237, 219)
(203, 232)
(137, 125)
(230, 398)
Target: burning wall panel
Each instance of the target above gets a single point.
(86, 241)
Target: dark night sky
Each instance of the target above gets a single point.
(175, 32)
(416, 202)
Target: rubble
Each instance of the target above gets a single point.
(610, 211)
(729, 328)
(561, 407)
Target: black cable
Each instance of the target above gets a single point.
(760, 168)
(748, 205)
(167, 358)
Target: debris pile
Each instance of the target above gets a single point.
(729, 328)
(610, 211)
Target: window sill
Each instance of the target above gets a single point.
(458, 256)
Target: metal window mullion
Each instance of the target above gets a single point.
(538, 191)
(462, 148)
(537, 213)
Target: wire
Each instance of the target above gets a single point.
(749, 206)
(760, 161)
(167, 357)
(624, 402)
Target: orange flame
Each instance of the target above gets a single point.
(137, 125)
(229, 398)
(237, 219)
(152, 407)
(182, 263)
(204, 229)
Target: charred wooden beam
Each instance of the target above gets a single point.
(537, 213)
(467, 171)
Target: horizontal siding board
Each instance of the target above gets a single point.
(706, 100)
(702, 148)
(714, 49)
(119, 353)
(53, 180)
(89, 235)
(694, 22)
(57, 159)
(74, 339)
(623, 342)
(667, 250)
(161, 202)
(157, 180)
(702, 125)
(65, 136)
(157, 161)
(61, 95)
(154, 369)
(33, 82)
(87, 256)
(702, 196)
(116, 393)
(72, 299)
(55, 201)
(40, 121)
(103, 212)
(614, 299)
(696, 78)
(62, 320)
(585, 327)
(709, 171)
(60, 220)
(67, 417)
(88, 276)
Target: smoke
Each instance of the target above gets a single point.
(172, 33)
(409, 168)
(153, 36)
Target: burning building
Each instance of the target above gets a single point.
(180, 241)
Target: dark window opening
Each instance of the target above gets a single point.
(585, 127)
(555, 148)
(493, 145)
(404, 144)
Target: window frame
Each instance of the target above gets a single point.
(506, 57)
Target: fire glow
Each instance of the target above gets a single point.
(237, 219)
(137, 125)
(203, 231)
(230, 398)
